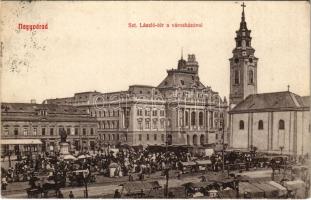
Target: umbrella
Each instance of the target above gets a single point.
(113, 165)
(81, 157)
(69, 157)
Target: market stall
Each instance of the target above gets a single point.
(188, 167)
(139, 189)
(247, 190)
(282, 191)
(203, 165)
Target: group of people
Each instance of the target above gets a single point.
(126, 161)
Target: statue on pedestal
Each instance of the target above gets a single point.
(63, 135)
(64, 145)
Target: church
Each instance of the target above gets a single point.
(275, 122)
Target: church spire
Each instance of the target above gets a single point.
(243, 25)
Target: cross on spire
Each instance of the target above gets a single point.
(243, 5)
(243, 15)
(288, 86)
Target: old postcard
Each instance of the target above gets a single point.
(155, 99)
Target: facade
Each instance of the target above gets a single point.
(24, 124)
(179, 111)
(273, 122)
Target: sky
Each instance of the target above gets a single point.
(88, 45)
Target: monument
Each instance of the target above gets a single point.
(64, 145)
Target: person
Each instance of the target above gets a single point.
(117, 194)
(4, 183)
(71, 196)
(60, 195)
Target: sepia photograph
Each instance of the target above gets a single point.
(155, 99)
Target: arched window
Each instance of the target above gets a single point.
(193, 118)
(187, 119)
(260, 125)
(201, 119)
(236, 77)
(281, 124)
(241, 125)
(250, 76)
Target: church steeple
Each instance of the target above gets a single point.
(243, 65)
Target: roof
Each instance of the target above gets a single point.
(182, 80)
(272, 101)
(32, 112)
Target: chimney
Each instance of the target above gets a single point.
(33, 101)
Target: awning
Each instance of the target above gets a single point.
(20, 141)
(204, 162)
(282, 190)
(294, 185)
(270, 191)
(246, 189)
(138, 186)
(188, 163)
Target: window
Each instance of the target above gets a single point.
(104, 136)
(84, 131)
(92, 131)
(125, 137)
(25, 131)
(211, 119)
(140, 125)
(162, 137)
(241, 125)
(139, 137)
(250, 77)
(281, 125)
(109, 137)
(139, 112)
(43, 131)
(147, 136)
(68, 131)
(187, 119)
(192, 118)
(162, 124)
(161, 113)
(154, 113)
(247, 43)
(216, 136)
(147, 112)
(155, 124)
(51, 131)
(76, 131)
(100, 113)
(155, 137)
(201, 119)
(147, 124)
(236, 77)
(34, 131)
(260, 125)
(236, 60)
(113, 137)
(182, 82)
(6, 131)
(239, 43)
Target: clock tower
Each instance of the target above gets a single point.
(243, 65)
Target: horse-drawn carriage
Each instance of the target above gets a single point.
(79, 177)
(45, 190)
